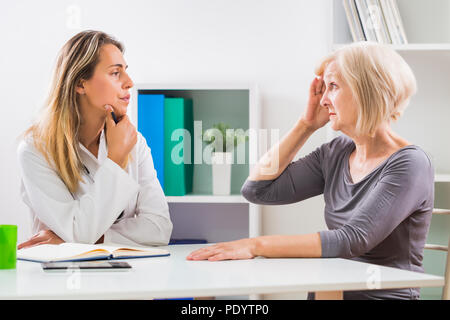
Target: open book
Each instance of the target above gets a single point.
(81, 252)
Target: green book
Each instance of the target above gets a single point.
(178, 146)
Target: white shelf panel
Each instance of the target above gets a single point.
(441, 211)
(412, 46)
(442, 178)
(423, 47)
(207, 199)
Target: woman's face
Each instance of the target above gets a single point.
(339, 100)
(109, 84)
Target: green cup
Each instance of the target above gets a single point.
(8, 246)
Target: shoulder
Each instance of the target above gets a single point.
(26, 148)
(413, 159)
(339, 143)
(335, 147)
(29, 156)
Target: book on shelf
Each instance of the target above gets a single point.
(390, 22)
(353, 20)
(151, 126)
(67, 251)
(378, 22)
(375, 20)
(398, 21)
(366, 21)
(178, 144)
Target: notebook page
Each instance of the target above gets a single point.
(132, 250)
(50, 252)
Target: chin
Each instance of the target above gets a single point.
(120, 111)
(334, 126)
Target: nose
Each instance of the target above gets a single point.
(128, 83)
(325, 101)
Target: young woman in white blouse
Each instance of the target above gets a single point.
(85, 177)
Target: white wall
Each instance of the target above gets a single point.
(273, 43)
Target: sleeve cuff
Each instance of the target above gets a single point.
(113, 237)
(329, 243)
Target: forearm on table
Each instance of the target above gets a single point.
(284, 246)
(275, 161)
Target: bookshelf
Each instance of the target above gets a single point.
(200, 214)
(206, 199)
(425, 121)
(414, 47)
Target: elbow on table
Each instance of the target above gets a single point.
(166, 232)
(86, 238)
(347, 242)
(162, 238)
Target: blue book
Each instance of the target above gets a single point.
(151, 126)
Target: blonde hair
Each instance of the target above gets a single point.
(56, 132)
(381, 81)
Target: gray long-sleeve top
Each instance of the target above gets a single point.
(382, 219)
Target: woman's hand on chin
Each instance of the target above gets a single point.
(233, 250)
(42, 237)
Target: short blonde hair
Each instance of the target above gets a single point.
(381, 81)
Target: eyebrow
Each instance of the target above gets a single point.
(329, 74)
(117, 65)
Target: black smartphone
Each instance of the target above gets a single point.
(86, 265)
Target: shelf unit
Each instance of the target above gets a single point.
(197, 198)
(413, 47)
(200, 214)
(442, 178)
(425, 121)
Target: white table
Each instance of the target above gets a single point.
(174, 276)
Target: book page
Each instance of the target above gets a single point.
(63, 251)
(124, 250)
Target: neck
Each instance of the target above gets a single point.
(383, 142)
(92, 124)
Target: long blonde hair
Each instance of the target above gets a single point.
(56, 131)
(381, 81)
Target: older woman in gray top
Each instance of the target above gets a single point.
(378, 187)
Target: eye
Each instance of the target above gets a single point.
(116, 73)
(332, 85)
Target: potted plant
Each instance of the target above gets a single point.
(222, 140)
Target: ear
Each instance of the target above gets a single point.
(80, 87)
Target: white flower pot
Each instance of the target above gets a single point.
(221, 172)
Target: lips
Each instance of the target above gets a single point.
(126, 98)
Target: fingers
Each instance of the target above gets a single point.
(42, 237)
(312, 87)
(203, 253)
(220, 256)
(31, 242)
(109, 118)
(213, 253)
(320, 86)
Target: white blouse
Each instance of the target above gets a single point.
(126, 206)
